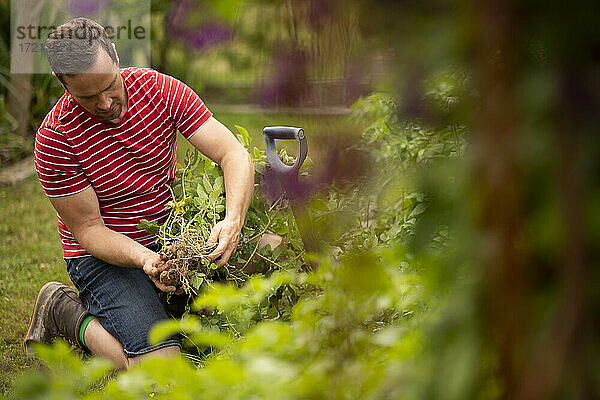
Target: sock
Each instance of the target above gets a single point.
(83, 326)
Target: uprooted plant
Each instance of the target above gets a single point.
(198, 203)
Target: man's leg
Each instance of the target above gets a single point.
(103, 344)
(125, 305)
(58, 312)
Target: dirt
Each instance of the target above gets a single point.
(186, 255)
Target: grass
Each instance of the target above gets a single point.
(30, 255)
(30, 252)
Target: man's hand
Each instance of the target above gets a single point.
(215, 141)
(153, 266)
(227, 234)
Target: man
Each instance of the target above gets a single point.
(105, 155)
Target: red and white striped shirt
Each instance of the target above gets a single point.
(129, 164)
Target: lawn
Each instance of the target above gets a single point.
(30, 255)
(30, 252)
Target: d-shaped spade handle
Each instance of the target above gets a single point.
(288, 176)
(286, 133)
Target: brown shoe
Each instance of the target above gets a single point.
(58, 312)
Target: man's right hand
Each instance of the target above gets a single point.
(153, 266)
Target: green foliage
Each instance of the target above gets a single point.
(335, 347)
(67, 378)
(12, 147)
(460, 272)
(226, 8)
(352, 328)
(405, 144)
(388, 205)
(198, 203)
(46, 91)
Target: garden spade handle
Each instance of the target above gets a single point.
(288, 176)
(286, 133)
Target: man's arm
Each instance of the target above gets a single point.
(81, 213)
(218, 143)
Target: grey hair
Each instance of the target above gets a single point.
(72, 47)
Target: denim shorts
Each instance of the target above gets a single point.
(125, 301)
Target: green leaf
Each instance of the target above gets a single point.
(319, 205)
(199, 203)
(190, 325)
(419, 209)
(297, 243)
(200, 190)
(387, 337)
(272, 312)
(202, 198)
(244, 133)
(280, 229)
(207, 184)
(258, 152)
(210, 339)
(220, 208)
(208, 165)
(278, 250)
(149, 226)
(205, 231)
(196, 280)
(218, 184)
(226, 297)
(163, 330)
(192, 157)
(212, 198)
(227, 8)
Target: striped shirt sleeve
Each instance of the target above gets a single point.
(187, 111)
(57, 167)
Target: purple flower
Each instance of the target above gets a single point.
(198, 37)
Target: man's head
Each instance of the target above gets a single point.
(84, 60)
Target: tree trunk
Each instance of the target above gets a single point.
(499, 185)
(26, 13)
(534, 363)
(18, 107)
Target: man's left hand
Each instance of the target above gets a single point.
(227, 234)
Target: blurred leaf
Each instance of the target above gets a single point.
(226, 8)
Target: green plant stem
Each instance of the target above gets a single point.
(269, 260)
(258, 235)
(235, 331)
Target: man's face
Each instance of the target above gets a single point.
(100, 89)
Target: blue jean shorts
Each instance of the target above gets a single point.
(125, 301)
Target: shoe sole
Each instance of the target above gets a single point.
(38, 313)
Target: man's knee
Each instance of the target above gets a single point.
(271, 239)
(164, 352)
(169, 351)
